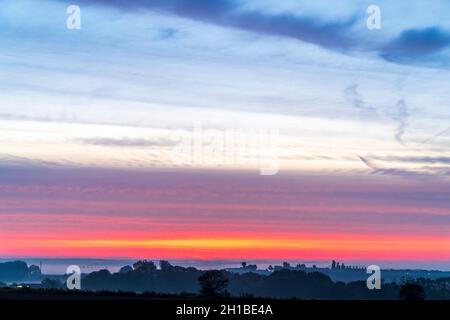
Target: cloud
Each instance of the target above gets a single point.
(401, 117)
(441, 133)
(166, 33)
(128, 142)
(416, 45)
(421, 172)
(229, 13)
(307, 29)
(352, 95)
(415, 159)
(8, 159)
(391, 171)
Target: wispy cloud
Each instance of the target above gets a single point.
(441, 133)
(401, 116)
(411, 46)
(389, 171)
(352, 95)
(418, 172)
(229, 13)
(128, 142)
(415, 159)
(8, 159)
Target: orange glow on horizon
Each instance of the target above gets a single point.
(222, 247)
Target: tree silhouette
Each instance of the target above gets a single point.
(126, 269)
(34, 271)
(165, 265)
(13, 271)
(51, 283)
(144, 266)
(213, 283)
(412, 291)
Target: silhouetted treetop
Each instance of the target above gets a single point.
(412, 291)
(213, 283)
(144, 266)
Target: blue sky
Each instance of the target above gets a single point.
(138, 72)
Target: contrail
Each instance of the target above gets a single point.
(367, 163)
(435, 136)
(402, 119)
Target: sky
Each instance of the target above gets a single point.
(225, 129)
